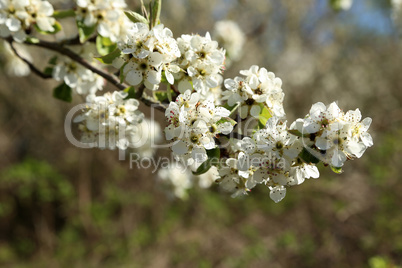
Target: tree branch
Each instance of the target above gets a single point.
(72, 55)
(235, 135)
(140, 92)
(76, 41)
(58, 47)
(30, 65)
(157, 105)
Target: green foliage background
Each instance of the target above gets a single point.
(62, 206)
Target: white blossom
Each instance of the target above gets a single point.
(277, 193)
(193, 124)
(303, 171)
(151, 53)
(256, 89)
(231, 38)
(232, 178)
(176, 180)
(269, 157)
(275, 139)
(107, 15)
(16, 16)
(202, 61)
(205, 180)
(76, 76)
(109, 121)
(336, 137)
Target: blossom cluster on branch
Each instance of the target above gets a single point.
(183, 77)
(81, 79)
(109, 121)
(17, 16)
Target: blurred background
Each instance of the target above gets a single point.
(64, 206)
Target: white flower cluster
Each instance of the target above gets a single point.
(106, 15)
(231, 38)
(177, 179)
(193, 124)
(110, 121)
(16, 16)
(149, 53)
(275, 156)
(333, 136)
(257, 88)
(280, 158)
(269, 157)
(202, 61)
(76, 76)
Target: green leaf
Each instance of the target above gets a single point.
(109, 58)
(298, 133)
(51, 63)
(63, 92)
(48, 71)
(213, 159)
(84, 31)
(60, 14)
(156, 12)
(163, 78)
(169, 93)
(56, 26)
(131, 92)
(122, 77)
(104, 45)
(337, 170)
(307, 157)
(259, 126)
(32, 40)
(233, 109)
(264, 116)
(135, 17)
(107, 42)
(230, 108)
(226, 119)
(53, 60)
(161, 96)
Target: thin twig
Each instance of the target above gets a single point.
(57, 47)
(157, 105)
(174, 89)
(235, 135)
(30, 65)
(76, 41)
(112, 79)
(140, 92)
(72, 55)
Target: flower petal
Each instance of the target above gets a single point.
(180, 147)
(134, 77)
(277, 193)
(199, 155)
